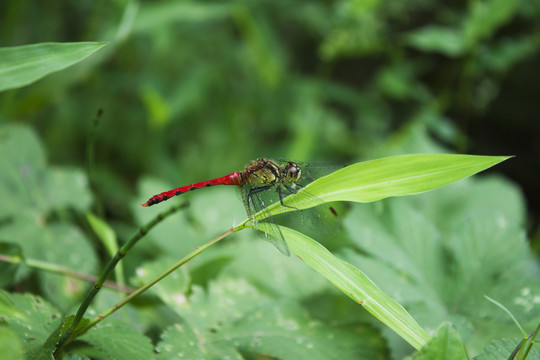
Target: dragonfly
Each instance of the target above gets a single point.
(257, 177)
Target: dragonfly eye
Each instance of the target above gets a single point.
(293, 172)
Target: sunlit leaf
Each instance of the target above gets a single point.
(354, 284)
(392, 176)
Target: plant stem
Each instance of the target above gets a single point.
(90, 156)
(94, 289)
(58, 269)
(152, 282)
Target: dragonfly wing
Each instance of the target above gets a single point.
(254, 202)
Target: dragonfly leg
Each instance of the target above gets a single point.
(293, 191)
(290, 189)
(281, 195)
(254, 191)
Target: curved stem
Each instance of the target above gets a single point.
(152, 282)
(69, 333)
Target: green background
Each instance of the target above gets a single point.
(195, 90)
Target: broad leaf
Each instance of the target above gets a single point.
(172, 288)
(32, 319)
(233, 318)
(119, 342)
(11, 346)
(502, 349)
(441, 272)
(30, 191)
(27, 185)
(445, 344)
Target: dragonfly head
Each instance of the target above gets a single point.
(292, 172)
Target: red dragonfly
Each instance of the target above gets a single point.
(257, 177)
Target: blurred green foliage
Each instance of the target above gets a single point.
(192, 90)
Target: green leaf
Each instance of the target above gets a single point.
(10, 345)
(170, 289)
(58, 244)
(8, 269)
(32, 319)
(66, 188)
(378, 179)
(437, 39)
(23, 65)
(283, 276)
(104, 232)
(354, 284)
(485, 17)
(154, 14)
(119, 342)
(445, 344)
(507, 53)
(30, 191)
(502, 349)
(233, 318)
(182, 342)
(22, 161)
(27, 185)
(441, 272)
(108, 238)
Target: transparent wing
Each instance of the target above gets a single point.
(311, 171)
(257, 201)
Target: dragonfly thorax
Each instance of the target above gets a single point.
(262, 172)
(267, 172)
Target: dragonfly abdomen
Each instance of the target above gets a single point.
(232, 179)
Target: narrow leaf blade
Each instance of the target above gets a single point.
(354, 284)
(391, 176)
(23, 65)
